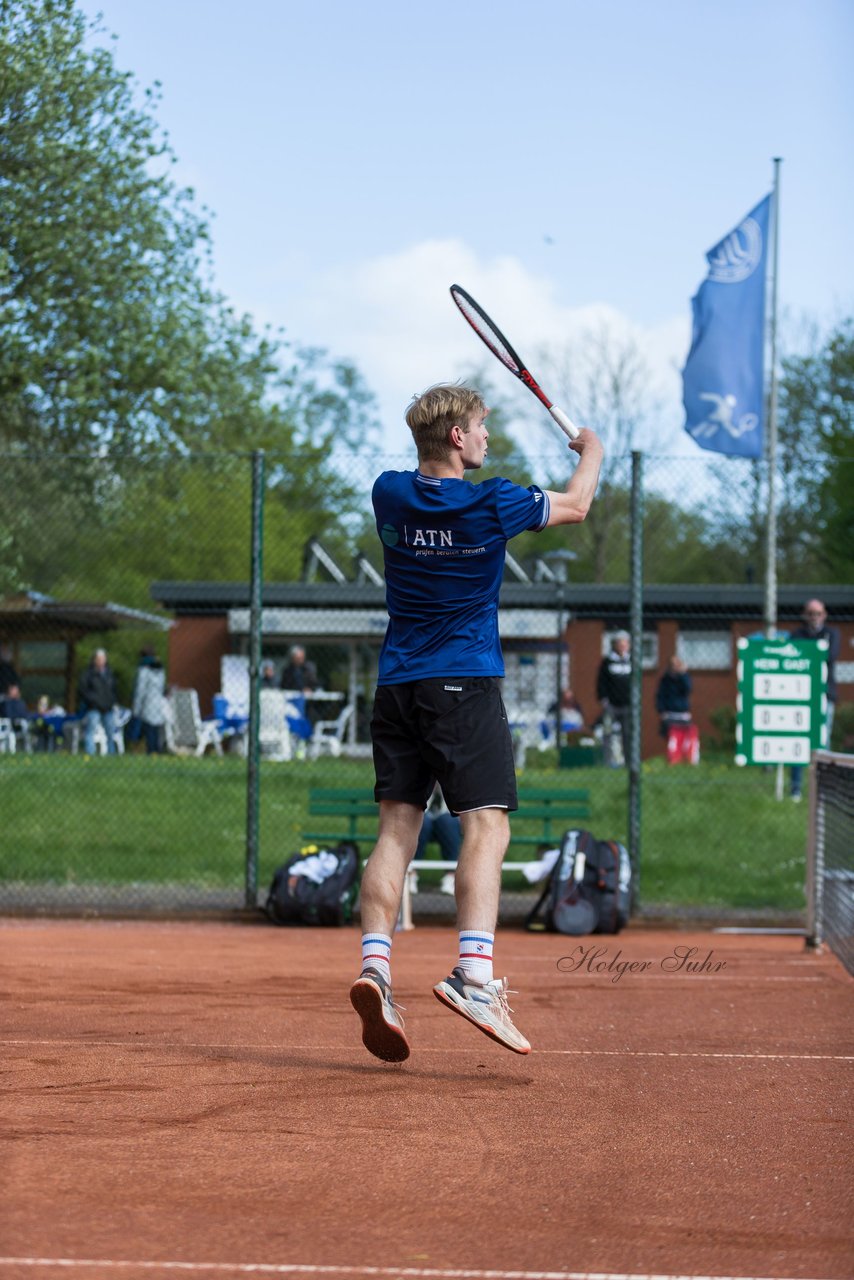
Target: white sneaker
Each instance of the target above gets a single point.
(484, 1004)
(446, 884)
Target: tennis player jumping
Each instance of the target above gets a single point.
(438, 713)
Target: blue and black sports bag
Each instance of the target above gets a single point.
(589, 889)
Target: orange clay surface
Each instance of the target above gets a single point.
(198, 1094)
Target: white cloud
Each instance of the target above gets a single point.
(394, 317)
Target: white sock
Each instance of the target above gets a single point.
(376, 953)
(476, 954)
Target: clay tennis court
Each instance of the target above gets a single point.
(193, 1099)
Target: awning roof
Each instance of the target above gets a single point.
(608, 601)
(29, 613)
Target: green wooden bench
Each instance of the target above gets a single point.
(351, 813)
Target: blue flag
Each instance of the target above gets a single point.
(723, 380)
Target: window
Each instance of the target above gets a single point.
(649, 648)
(49, 655)
(705, 650)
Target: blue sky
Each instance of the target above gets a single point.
(569, 163)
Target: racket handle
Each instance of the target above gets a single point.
(566, 424)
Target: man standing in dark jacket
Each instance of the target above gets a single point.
(8, 674)
(814, 627)
(613, 689)
(97, 695)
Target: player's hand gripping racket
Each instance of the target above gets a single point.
(500, 347)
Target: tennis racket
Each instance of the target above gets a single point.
(489, 333)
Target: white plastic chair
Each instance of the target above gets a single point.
(525, 733)
(328, 735)
(186, 731)
(121, 717)
(7, 737)
(274, 736)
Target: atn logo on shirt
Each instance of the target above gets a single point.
(431, 538)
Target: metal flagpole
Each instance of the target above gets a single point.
(771, 446)
(636, 689)
(771, 434)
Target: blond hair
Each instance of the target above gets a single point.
(431, 416)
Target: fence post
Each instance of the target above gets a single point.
(636, 627)
(815, 857)
(253, 776)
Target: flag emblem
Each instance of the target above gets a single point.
(723, 382)
(738, 255)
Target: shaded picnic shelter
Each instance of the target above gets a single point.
(43, 634)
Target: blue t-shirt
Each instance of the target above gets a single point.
(443, 544)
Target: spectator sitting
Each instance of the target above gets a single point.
(12, 705)
(13, 708)
(149, 691)
(299, 674)
(444, 827)
(45, 735)
(268, 676)
(97, 694)
(672, 698)
(571, 714)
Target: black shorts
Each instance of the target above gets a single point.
(453, 731)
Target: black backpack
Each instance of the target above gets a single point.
(589, 888)
(315, 886)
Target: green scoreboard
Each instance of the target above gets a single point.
(782, 700)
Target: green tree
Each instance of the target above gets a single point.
(100, 296)
(814, 474)
(603, 381)
(817, 449)
(115, 346)
(111, 335)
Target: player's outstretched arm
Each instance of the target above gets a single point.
(571, 506)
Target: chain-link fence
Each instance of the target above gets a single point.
(830, 872)
(736, 835)
(189, 655)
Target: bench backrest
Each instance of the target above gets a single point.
(551, 808)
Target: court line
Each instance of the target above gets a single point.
(343, 1048)
(659, 975)
(709, 978)
(702, 1053)
(415, 1273)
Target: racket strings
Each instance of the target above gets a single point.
(488, 335)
